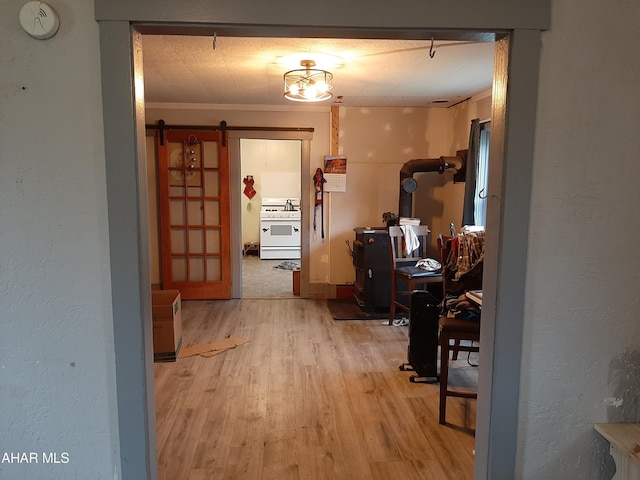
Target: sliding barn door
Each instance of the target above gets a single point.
(193, 172)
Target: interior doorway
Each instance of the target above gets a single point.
(301, 138)
(270, 216)
(513, 138)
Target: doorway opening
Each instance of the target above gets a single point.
(242, 201)
(129, 262)
(239, 142)
(294, 139)
(271, 217)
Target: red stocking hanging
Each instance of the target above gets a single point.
(249, 191)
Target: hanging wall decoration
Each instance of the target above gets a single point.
(184, 161)
(319, 181)
(249, 191)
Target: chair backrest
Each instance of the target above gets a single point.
(398, 241)
(444, 247)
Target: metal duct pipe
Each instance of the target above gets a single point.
(407, 183)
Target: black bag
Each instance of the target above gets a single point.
(422, 352)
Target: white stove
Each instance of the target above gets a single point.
(279, 214)
(280, 225)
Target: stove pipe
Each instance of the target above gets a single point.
(408, 185)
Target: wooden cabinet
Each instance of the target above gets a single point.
(372, 261)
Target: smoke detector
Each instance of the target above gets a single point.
(39, 20)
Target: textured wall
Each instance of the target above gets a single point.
(267, 160)
(377, 142)
(314, 117)
(581, 335)
(581, 358)
(57, 384)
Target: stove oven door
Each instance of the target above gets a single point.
(280, 238)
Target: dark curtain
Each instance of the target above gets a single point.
(471, 173)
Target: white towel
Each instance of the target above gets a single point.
(411, 242)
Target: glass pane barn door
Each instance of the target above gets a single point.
(194, 209)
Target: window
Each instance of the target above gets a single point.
(480, 197)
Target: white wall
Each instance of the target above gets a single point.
(377, 142)
(581, 358)
(57, 386)
(317, 118)
(581, 335)
(275, 167)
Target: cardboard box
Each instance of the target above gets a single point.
(167, 324)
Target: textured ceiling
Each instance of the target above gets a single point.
(369, 73)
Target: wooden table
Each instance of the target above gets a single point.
(624, 440)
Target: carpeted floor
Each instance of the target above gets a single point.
(261, 279)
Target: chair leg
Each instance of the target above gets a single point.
(392, 312)
(444, 375)
(455, 349)
(392, 304)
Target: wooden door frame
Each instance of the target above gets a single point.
(236, 202)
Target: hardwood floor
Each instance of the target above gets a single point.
(307, 398)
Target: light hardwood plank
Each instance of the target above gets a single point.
(307, 398)
(177, 453)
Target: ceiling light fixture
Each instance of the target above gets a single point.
(308, 84)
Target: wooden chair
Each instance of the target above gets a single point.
(403, 269)
(456, 331)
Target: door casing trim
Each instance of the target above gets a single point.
(236, 204)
